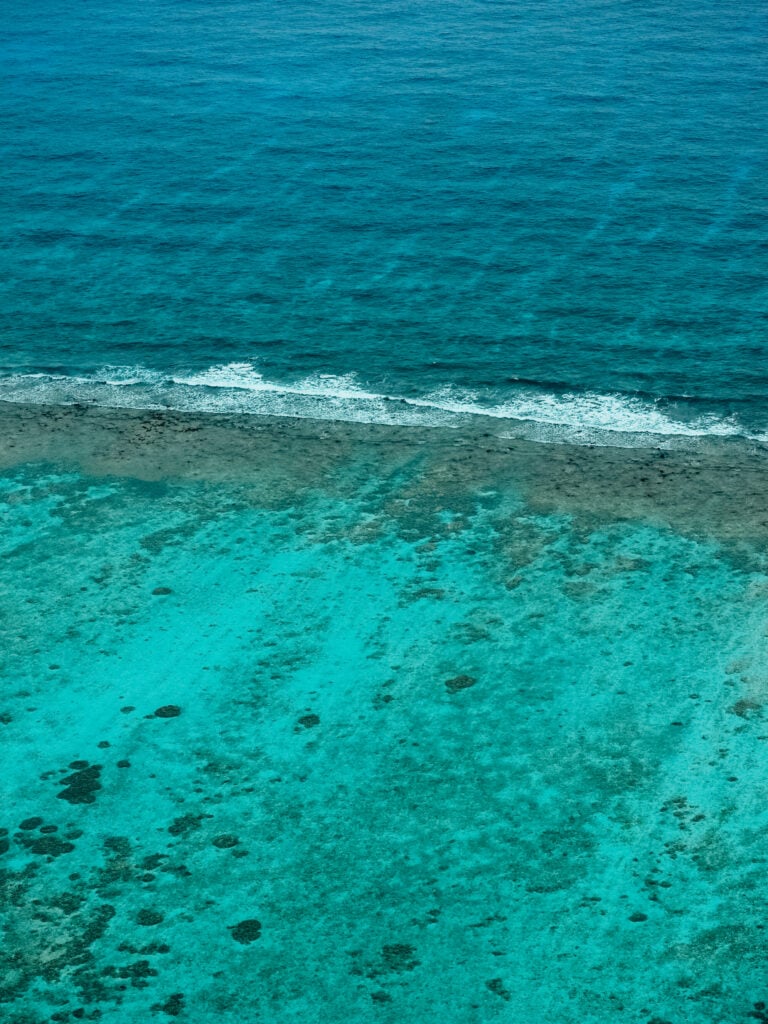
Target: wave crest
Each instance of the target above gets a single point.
(238, 387)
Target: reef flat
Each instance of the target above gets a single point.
(329, 722)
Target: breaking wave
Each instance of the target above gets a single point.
(515, 411)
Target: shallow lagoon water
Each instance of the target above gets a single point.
(465, 747)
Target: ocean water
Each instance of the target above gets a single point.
(552, 210)
(384, 576)
(309, 722)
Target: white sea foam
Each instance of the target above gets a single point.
(240, 388)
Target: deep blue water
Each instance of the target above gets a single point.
(495, 198)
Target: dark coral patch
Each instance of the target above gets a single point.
(225, 842)
(136, 973)
(496, 985)
(168, 711)
(309, 721)
(186, 823)
(50, 846)
(30, 823)
(399, 956)
(173, 1005)
(149, 917)
(462, 682)
(45, 845)
(246, 931)
(82, 785)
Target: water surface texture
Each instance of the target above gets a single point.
(434, 686)
(495, 201)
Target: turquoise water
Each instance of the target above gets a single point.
(480, 203)
(360, 734)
